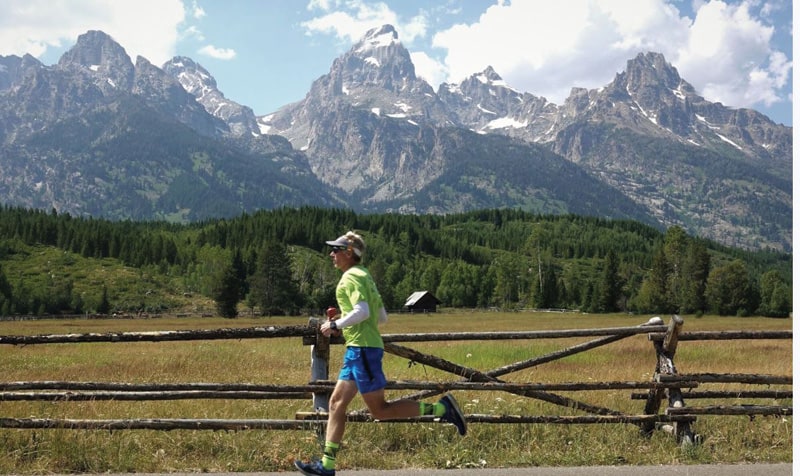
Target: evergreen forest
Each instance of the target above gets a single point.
(275, 262)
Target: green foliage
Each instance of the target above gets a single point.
(677, 279)
(277, 262)
(225, 290)
(776, 296)
(729, 291)
(272, 285)
(104, 307)
(610, 286)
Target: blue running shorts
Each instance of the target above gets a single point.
(364, 366)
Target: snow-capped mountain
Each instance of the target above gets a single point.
(95, 132)
(370, 127)
(199, 83)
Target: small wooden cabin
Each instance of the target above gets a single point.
(421, 301)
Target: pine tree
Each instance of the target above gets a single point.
(610, 286)
(105, 306)
(5, 286)
(272, 286)
(545, 294)
(694, 274)
(653, 294)
(729, 291)
(226, 290)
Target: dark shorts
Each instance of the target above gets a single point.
(364, 366)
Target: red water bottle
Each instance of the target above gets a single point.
(331, 312)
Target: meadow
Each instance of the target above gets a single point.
(726, 439)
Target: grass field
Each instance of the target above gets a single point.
(726, 439)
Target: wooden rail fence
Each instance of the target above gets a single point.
(666, 385)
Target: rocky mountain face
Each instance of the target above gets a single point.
(96, 134)
(240, 120)
(373, 129)
(370, 128)
(691, 162)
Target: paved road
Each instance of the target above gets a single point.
(782, 469)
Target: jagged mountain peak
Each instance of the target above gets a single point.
(652, 69)
(95, 49)
(376, 76)
(99, 55)
(198, 82)
(490, 76)
(381, 139)
(485, 103)
(29, 60)
(650, 81)
(376, 38)
(11, 66)
(650, 95)
(379, 60)
(192, 76)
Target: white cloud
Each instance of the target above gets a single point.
(728, 56)
(34, 26)
(546, 47)
(428, 68)
(192, 32)
(217, 53)
(350, 20)
(318, 5)
(197, 11)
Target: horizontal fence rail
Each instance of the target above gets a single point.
(311, 333)
(719, 394)
(87, 391)
(727, 378)
(310, 421)
(726, 335)
(163, 336)
(155, 424)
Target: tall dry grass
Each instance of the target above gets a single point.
(727, 439)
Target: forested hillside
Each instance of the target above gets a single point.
(275, 262)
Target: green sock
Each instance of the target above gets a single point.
(329, 455)
(435, 409)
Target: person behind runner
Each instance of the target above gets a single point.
(362, 310)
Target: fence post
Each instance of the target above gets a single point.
(320, 358)
(654, 396)
(665, 353)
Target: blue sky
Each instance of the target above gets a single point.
(266, 53)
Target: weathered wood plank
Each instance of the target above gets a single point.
(86, 391)
(732, 410)
(148, 396)
(514, 335)
(546, 334)
(727, 378)
(523, 387)
(163, 336)
(708, 394)
(514, 419)
(162, 387)
(726, 335)
(154, 424)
